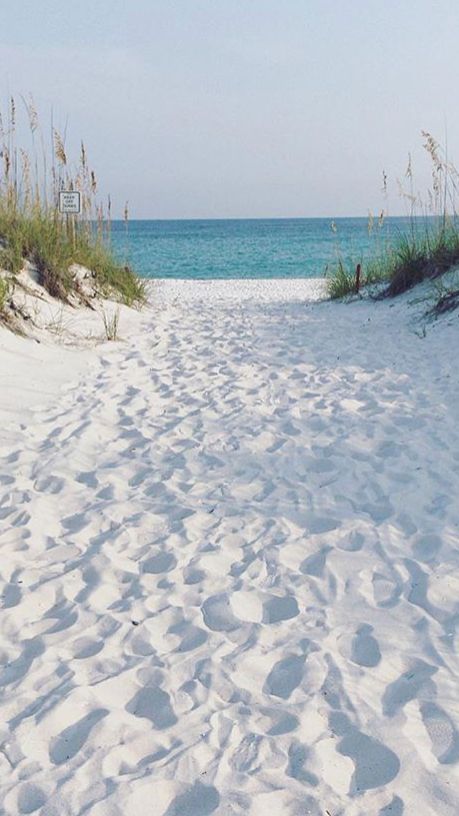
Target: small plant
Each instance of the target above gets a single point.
(56, 322)
(111, 323)
(342, 281)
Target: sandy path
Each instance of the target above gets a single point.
(229, 571)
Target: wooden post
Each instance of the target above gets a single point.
(357, 278)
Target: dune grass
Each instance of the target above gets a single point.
(428, 249)
(31, 227)
(4, 289)
(342, 281)
(419, 257)
(111, 324)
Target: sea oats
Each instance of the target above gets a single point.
(31, 113)
(384, 187)
(12, 113)
(6, 161)
(59, 150)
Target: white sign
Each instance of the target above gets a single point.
(69, 202)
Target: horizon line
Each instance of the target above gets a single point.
(276, 217)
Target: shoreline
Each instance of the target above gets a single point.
(270, 290)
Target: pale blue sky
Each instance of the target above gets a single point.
(241, 108)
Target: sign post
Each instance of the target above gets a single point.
(70, 204)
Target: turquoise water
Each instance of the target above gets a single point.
(248, 248)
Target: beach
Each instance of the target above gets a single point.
(229, 559)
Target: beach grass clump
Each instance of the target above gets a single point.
(32, 228)
(427, 256)
(429, 247)
(111, 324)
(347, 279)
(342, 282)
(110, 275)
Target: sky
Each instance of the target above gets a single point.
(241, 108)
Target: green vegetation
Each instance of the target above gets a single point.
(429, 248)
(343, 279)
(32, 229)
(420, 257)
(111, 323)
(4, 289)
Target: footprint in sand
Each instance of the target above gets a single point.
(319, 524)
(394, 808)
(365, 648)
(200, 800)
(244, 758)
(11, 594)
(315, 564)
(406, 524)
(191, 575)
(30, 798)
(426, 547)
(64, 614)
(86, 647)
(282, 722)
(139, 477)
(285, 676)
(407, 687)
(49, 484)
(191, 636)
(378, 511)
(387, 588)
(217, 614)
(152, 703)
(161, 562)
(297, 756)
(239, 567)
(279, 609)
(375, 765)
(14, 671)
(88, 478)
(75, 523)
(352, 542)
(67, 744)
(442, 732)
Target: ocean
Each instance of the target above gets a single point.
(249, 248)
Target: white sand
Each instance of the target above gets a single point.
(229, 561)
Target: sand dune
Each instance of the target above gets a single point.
(229, 566)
